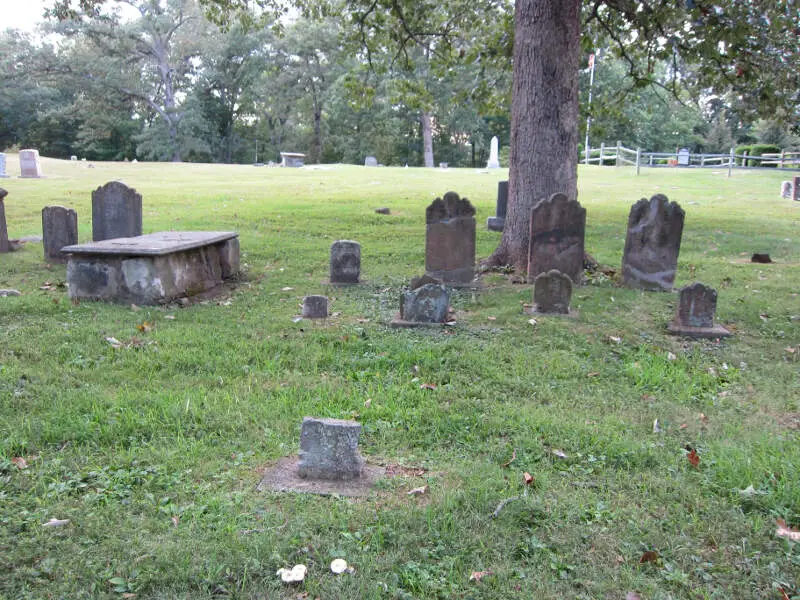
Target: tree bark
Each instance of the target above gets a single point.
(427, 138)
(544, 117)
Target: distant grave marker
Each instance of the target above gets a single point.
(29, 164)
(59, 229)
(370, 161)
(116, 212)
(4, 244)
(557, 231)
(3, 166)
(498, 221)
(494, 160)
(293, 159)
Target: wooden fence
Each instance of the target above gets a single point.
(618, 155)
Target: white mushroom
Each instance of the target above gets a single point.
(339, 566)
(293, 575)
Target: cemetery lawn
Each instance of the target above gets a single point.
(148, 428)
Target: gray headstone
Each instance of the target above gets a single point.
(697, 306)
(552, 292)
(4, 245)
(74, 158)
(652, 244)
(59, 229)
(370, 161)
(429, 303)
(3, 165)
(557, 232)
(116, 212)
(345, 262)
(329, 449)
(29, 165)
(498, 222)
(796, 188)
(450, 240)
(383, 210)
(786, 190)
(315, 307)
(683, 157)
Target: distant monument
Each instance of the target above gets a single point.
(370, 161)
(494, 161)
(3, 165)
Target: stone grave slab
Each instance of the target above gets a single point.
(345, 262)
(59, 229)
(370, 161)
(796, 188)
(5, 246)
(3, 166)
(450, 240)
(557, 231)
(552, 292)
(29, 165)
(315, 307)
(694, 317)
(293, 159)
(116, 212)
(786, 190)
(498, 221)
(151, 269)
(425, 306)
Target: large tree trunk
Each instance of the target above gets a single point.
(427, 138)
(544, 117)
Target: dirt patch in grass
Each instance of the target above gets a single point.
(283, 477)
(789, 420)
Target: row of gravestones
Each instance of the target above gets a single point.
(29, 164)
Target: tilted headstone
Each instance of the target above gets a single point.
(345, 262)
(786, 190)
(498, 221)
(695, 315)
(450, 240)
(3, 165)
(652, 244)
(494, 160)
(370, 161)
(315, 307)
(4, 245)
(116, 212)
(429, 303)
(552, 292)
(557, 231)
(796, 188)
(29, 165)
(329, 449)
(59, 229)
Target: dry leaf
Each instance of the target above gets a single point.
(478, 575)
(671, 356)
(788, 532)
(145, 327)
(532, 321)
(764, 317)
(287, 289)
(593, 374)
(683, 426)
(649, 556)
(367, 402)
(693, 458)
(492, 318)
(656, 427)
(632, 596)
(115, 343)
(427, 386)
(615, 339)
(512, 459)
(528, 478)
(175, 520)
(703, 419)
(417, 491)
(791, 350)
(559, 453)
(170, 317)
(20, 462)
(56, 523)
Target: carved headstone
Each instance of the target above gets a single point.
(345, 262)
(552, 292)
(796, 188)
(329, 449)
(4, 245)
(59, 229)
(425, 305)
(652, 244)
(450, 240)
(370, 161)
(557, 231)
(498, 221)
(116, 212)
(695, 315)
(3, 165)
(494, 160)
(786, 190)
(315, 307)
(29, 164)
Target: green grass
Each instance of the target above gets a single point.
(153, 451)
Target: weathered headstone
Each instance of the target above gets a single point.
(383, 210)
(552, 292)
(494, 160)
(74, 158)
(450, 240)
(4, 245)
(683, 157)
(796, 188)
(329, 449)
(786, 190)
(652, 244)
(116, 212)
(29, 165)
(760, 257)
(315, 307)
(345, 262)
(3, 165)
(498, 221)
(557, 231)
(428, 304)
(293, 159)
(695, 315)
(370, 161)
(59, 229)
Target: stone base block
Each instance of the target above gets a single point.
(397, 322)
(495, 223)
(717, 331)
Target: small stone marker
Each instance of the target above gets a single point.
(293, 159)
(370, 161)
(695, 315)
(383, 210)
(345, 262)
(426, 305)
(4, 245)
(761, 258)
(74, 158)
(498, 221)
(796, 188)
(29, 166)
(59, 229)
(557, 231)
(329, 449)
(3, 165)
(552, 292)
(683, 157)
(450, 240)
(652, 244)
(494, 161)
(315, 307)
(786, 190)
(116, 212)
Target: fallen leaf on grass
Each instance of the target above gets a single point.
(417, 491)
(527, 478)
(492, 318)
(593, 374)
(784, 595)
(693, 458)
(56, 523)
(175, 520)
(648, 557)
(478, 575)
(512, 459)
(632, 596)
(671, 356)
(532, 321)
(367, 402)
(115, 343)
(791, 350)
(287, 289)
(145, 327)
(615, 339)
(427, 386)
(656, 427)
(784, 530)
(683, 426)
(20, 462)
(559, 453)
(170, 317)
(764, 317)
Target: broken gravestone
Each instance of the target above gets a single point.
(426, 305)
(315, 307)
(329, 449)
(652, 244)
(498, 221)
(695, 315)
(552, 292)
(345, 263)
(450, 240)
(557, 231)
(59, 229)
(116, 212)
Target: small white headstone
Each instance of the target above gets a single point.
(683, 157)
(494, 161)
(3, 165)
